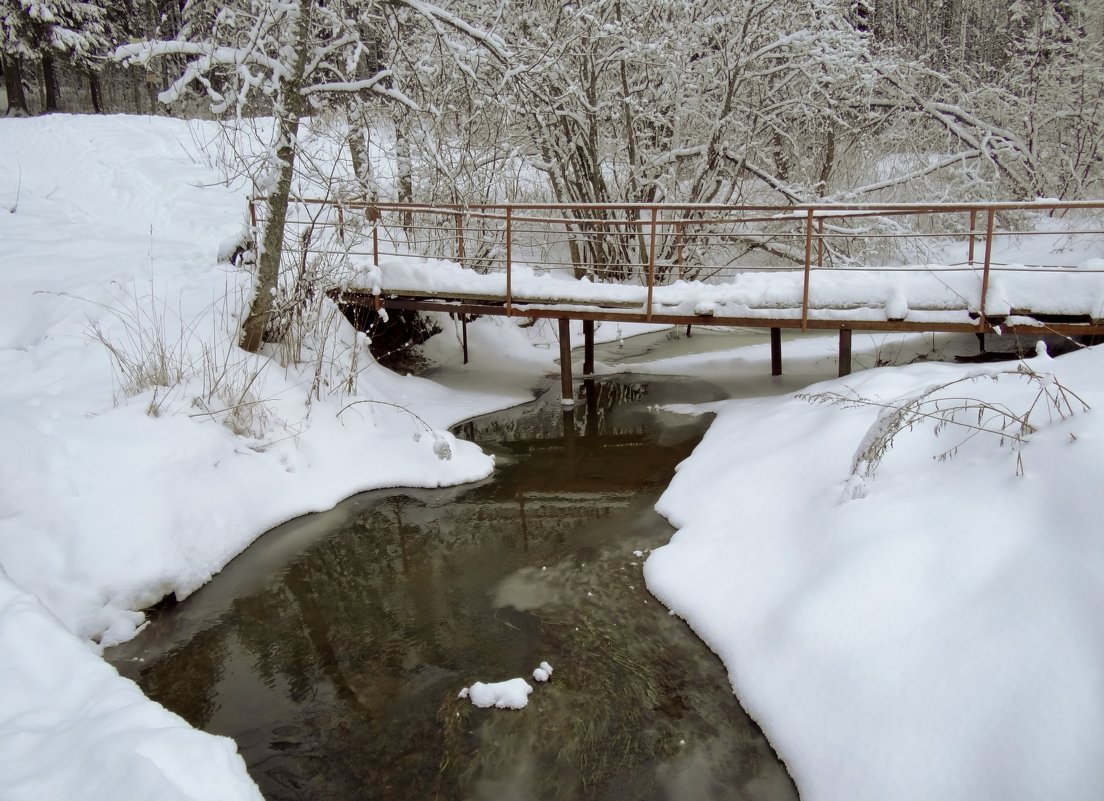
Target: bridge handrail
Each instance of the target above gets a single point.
(637, 230)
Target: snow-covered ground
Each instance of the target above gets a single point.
(110, 228)
(928, 629)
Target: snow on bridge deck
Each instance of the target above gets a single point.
(919, 297)
(1001, 267)
(988, 267)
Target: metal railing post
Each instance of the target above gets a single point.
(808, 265)
(373, 217)
(989, 218)
(509, 259)
(678, 247)
(973, 228)
(651, 260)
(460, 237)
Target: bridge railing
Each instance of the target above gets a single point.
(657, 244)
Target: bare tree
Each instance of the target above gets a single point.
(283, 58)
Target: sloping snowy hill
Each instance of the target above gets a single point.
(109, 500)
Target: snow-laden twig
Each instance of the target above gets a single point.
(970, 414)
(441, 448)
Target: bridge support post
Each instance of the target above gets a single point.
(776, 351)
(567, 396)
(845, 352)
(588, 347)
(464, 327)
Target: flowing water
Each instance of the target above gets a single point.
(333, 649)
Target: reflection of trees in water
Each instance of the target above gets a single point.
(189, 682)
(366, 634)
(346, 665)
(606, 442)
(594, 414)
(629, 702)
(372, 632)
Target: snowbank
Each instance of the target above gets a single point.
(111, 499)
(71, 728)
(936, 634)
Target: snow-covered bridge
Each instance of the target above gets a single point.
(979, 267)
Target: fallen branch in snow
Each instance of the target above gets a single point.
(973, 414)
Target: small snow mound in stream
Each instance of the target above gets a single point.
(509, 694)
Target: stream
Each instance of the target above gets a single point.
(334, 648)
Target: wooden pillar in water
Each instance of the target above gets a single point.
(776, 351)
(569, 432)
(844, 352)
(588, 347)
(590, 390)
(567, 396)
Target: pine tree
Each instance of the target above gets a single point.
(49, 30)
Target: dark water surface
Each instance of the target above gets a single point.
(333, 649)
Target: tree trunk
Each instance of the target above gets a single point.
(13, 84)
(151, 91)
(135, 80)
(828, 163)
(358, 152)
(50, 82)
(272, 240)
(94, 89)
(289, 108)
(405, 178)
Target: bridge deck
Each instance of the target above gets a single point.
(938, 298)
(1024, 267)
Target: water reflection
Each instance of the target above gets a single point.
(334, 654)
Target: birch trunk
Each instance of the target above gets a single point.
(288, 111)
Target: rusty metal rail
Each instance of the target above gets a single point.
(653, 246)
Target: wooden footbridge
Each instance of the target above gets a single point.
(1006, 268)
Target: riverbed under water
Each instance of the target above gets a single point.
(333, 649)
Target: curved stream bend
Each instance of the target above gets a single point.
(333, 649)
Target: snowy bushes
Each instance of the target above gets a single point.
(161, 353)
(144, 355)
(971, 415)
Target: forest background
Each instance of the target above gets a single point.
(614, 101)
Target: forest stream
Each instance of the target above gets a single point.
(333, 650)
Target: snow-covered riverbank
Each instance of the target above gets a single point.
(110, 228)
(931, 629)
(926, 631)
